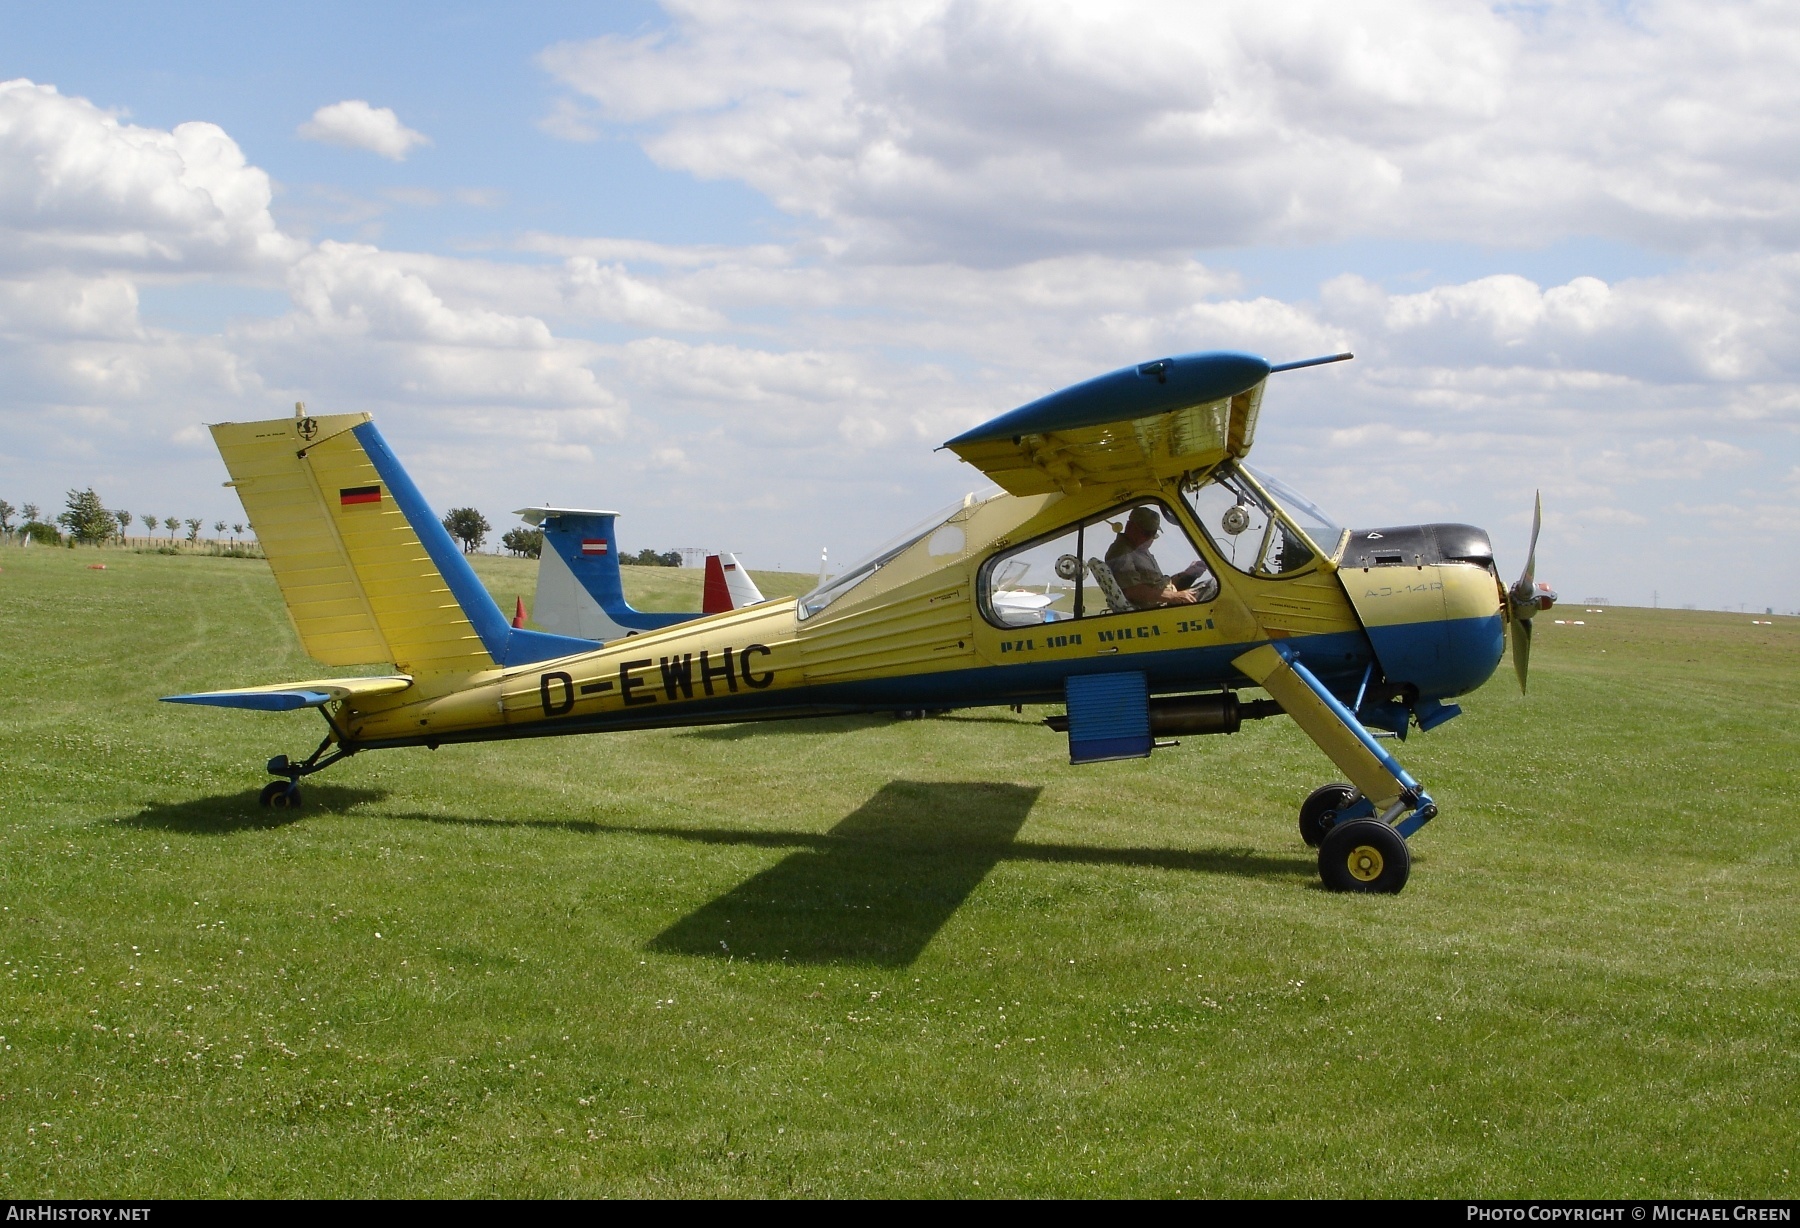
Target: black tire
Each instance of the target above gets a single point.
(1364, 855)
(270, 790)
(290, 797)
(1319, 811)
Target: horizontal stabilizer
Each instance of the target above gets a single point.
(288, 696)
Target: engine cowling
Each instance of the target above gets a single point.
(1430, 600)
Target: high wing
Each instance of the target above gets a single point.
(1145, 423)
(288, 696)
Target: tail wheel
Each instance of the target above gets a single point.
(1364, 855)
(1319, 811)
(280, 795)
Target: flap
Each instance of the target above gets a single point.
(287, 696)
(1139, 425)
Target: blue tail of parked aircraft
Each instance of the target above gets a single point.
(578, 590)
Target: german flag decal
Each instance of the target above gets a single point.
(359, 494)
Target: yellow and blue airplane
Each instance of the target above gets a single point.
(1063, 587)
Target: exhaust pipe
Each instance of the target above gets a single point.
(1173, 715)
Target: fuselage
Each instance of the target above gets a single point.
(922, 629)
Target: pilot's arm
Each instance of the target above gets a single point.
(1143, 582)
(1152, 595)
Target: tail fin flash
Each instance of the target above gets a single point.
(367, 572)
(728, 586)
(578, 590)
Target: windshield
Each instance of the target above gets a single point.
(829, 591)
(1312, 521)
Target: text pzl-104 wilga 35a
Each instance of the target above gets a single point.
(1134, 569)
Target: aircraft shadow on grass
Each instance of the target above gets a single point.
(875, 889)
(878, 887)
(230, 813)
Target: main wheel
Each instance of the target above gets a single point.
(270, 792)
(1364, 855)
(1326, 800)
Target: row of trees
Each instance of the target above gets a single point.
(471, 528)
(88, 521)
(523, 542)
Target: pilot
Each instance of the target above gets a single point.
(1135, 568)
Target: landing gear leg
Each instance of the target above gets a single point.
(285, 794)
(1364, 848)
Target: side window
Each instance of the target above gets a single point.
(1135, 557)
(1243, 528)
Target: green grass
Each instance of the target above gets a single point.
(866, 957)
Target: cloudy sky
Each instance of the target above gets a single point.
(736, 269)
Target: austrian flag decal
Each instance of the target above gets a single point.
(593, 545)
(358, 494)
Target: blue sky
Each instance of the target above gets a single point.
(736, 269)
(464, 73)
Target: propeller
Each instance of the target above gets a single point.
(1528, 597)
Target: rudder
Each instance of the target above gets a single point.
(367, 573)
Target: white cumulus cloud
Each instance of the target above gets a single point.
(991, 130)
(355, 124)
(80, 188)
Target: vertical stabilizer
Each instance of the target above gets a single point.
(743, 589)
(579, 590)
(715, 596)
(367, 573)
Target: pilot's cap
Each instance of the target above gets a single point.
(1145, 520)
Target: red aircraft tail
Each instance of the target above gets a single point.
(728, 585)
(715, 598)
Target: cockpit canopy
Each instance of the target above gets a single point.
(941, 533)
(1259, 524)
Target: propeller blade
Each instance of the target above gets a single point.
(1537, 523)
(1522, 591)
(1521, 649)
(1527, 598)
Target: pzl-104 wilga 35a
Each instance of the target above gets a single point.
(1134, 569)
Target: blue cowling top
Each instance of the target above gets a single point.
(1131, 392)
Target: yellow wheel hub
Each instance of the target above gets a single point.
(1365, 863)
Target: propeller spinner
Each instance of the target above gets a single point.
(1527, 598)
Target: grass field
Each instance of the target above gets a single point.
(868, 957)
